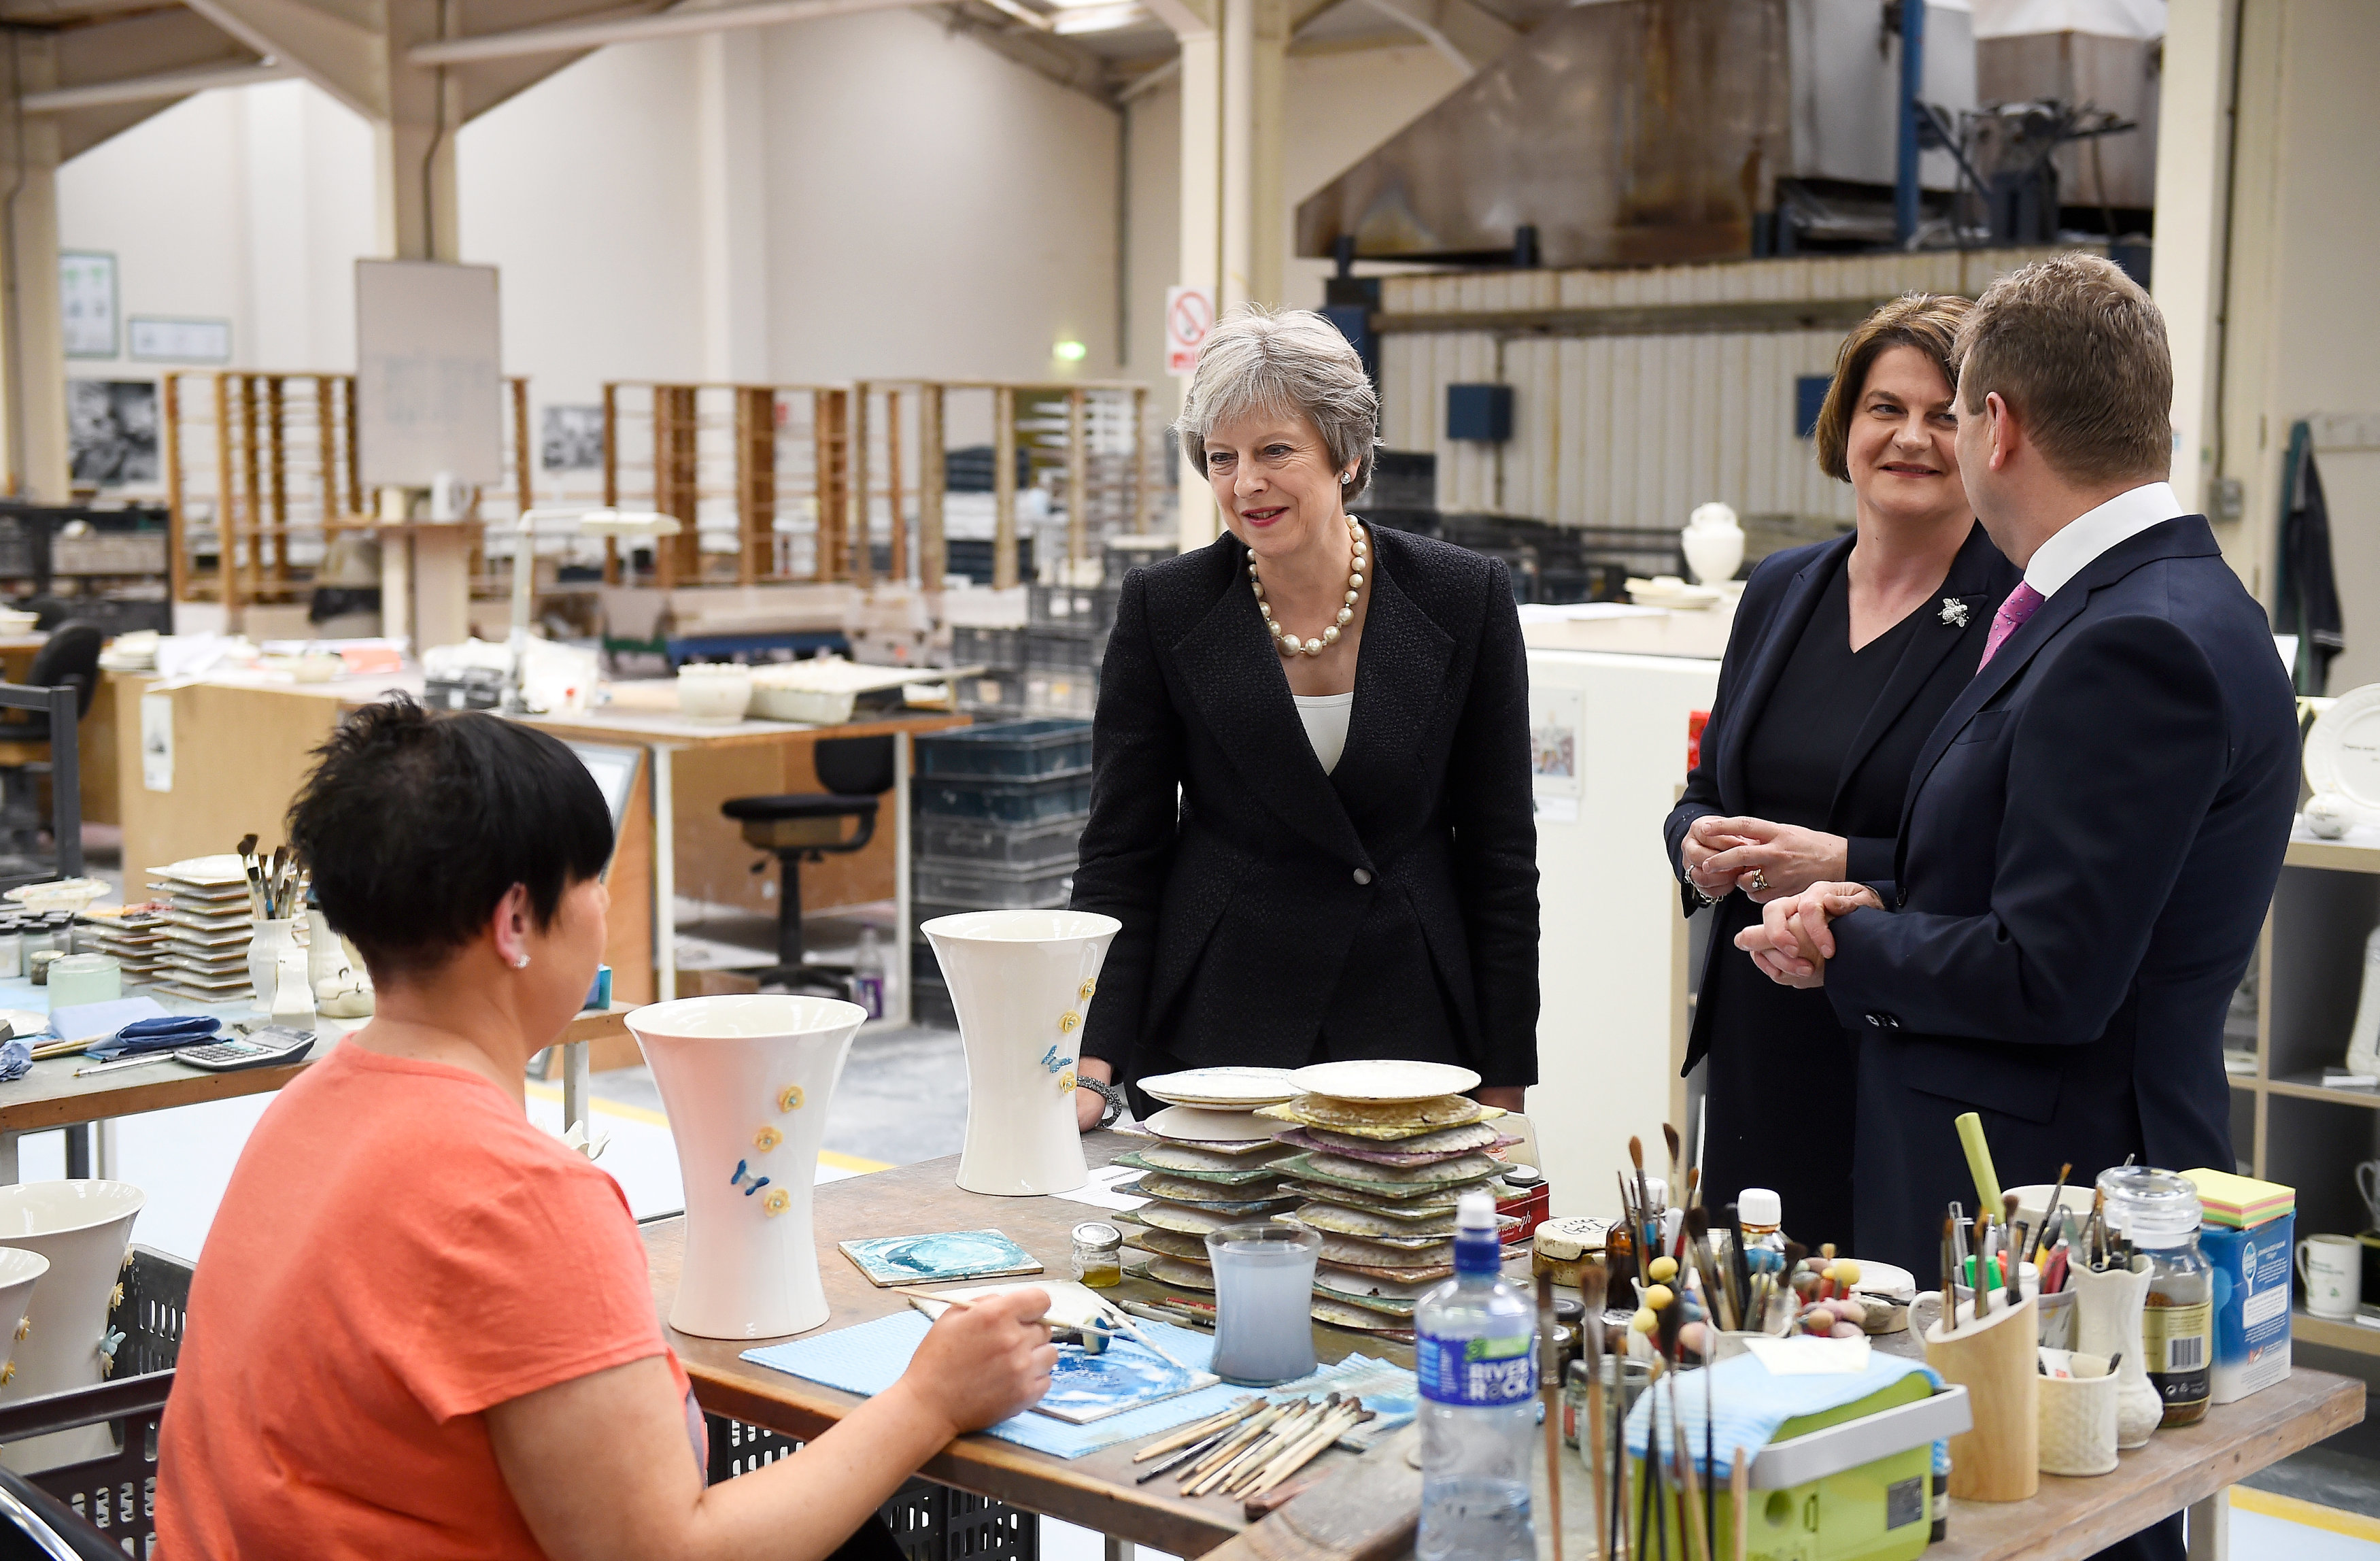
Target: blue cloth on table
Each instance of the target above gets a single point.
(165, 1033)
(1749, 1402)
(869, 1357)
(16, 1059)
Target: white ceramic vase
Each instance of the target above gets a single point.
(1713, 543)
(1022, 981)
(83, 1230)
(746, 1081)
(266, 943)
(2108, 1322)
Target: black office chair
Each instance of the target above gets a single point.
(70, 660)
(807, 825)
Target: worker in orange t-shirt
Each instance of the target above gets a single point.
(424, 1328)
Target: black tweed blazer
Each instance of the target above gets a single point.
(1272, 914)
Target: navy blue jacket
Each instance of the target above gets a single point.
(2092, 836)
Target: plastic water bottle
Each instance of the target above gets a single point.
(867, 974)
(1476, 1352)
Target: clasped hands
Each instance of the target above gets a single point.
(1795, 937)
(1766, 860)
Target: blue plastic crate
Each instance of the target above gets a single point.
(1004, 801)
(1006, 750)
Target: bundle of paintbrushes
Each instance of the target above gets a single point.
(1208, 1168)
(275, 886)
(1379, 1179)
(1252, 1446)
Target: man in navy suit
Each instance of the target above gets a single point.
(2094, 831)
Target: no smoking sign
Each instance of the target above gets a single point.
(1189, 315)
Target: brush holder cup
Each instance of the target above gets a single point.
(746, 1081)
(266, 943)
(83, 1229)
(1998, 1360)
(1022, 982)
(2078, 1424)
(2107, 1324)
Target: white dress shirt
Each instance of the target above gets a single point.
(2094, 531)
(1326, 724)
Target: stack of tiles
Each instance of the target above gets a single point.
(133, 936)
(204, 952)
(1378, 1178)
(1215, 1163)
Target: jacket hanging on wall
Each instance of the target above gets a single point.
(2307, 603)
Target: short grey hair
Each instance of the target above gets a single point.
(1260, 360)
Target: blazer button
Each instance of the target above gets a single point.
(1362, 875)
(1875, 1021)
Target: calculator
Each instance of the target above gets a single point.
(266, 1047)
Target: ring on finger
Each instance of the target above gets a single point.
(1757, 880)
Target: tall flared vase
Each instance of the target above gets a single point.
(83, 1229)
(2108, 1322)
(1022, 981)
(746, 1081)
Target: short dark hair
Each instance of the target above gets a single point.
(2078, 350)
(1928, 321)
(415, 824)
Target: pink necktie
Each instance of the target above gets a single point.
(2010, 618)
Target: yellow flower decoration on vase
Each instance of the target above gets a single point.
(7, 1373)
(24, 1327)
(766, 1139)
(777, 1202)
(790, 1098)
(1066, 1083)
(116, 1298)
(1088, 988)
(1069, 1022)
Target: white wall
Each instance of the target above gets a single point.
(249, 206)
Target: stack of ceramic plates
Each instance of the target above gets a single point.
(1385, 1148)
(203, 953)
(1214, 1165)
(134, 938)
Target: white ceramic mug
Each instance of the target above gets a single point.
(2332, 1268)
(2367, 1182)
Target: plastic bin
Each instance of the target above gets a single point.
(999, 649)
(1018, 802)
(1065, 649)
(1073, 696)
(930, 1522)
(983, 845)
(1089, 608)
(993, 889)
(1006, 750)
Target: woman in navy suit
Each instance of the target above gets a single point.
(1843, 656)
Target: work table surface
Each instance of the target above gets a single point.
(2069, 1518)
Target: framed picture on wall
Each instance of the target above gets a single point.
(573, 439)
(157, 340)
(86, 302)
(111, 431)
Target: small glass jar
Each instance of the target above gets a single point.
(2158, 1214)
(12, 947)
(1098, 1255)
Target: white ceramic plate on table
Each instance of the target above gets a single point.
(1224, 1088)
(2342, 752)
(1386, 1080)
(1198, 1125)
(206, 872)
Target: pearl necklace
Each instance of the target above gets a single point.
(1289, 644)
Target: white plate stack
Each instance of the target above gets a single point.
(1210, 1167)
(203, 952)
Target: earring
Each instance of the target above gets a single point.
(521, 963)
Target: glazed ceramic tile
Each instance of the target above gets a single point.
(938, 1257)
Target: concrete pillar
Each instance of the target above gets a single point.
(1202, 218)
(1255, 210)
(413, 141)
(2195, 141)
(731, 150)
(32, 346)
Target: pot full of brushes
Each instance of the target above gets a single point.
(276, 892)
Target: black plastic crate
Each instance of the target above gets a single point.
(1006, 750)
(1086, 608)
(930, 1522)
(1065, 649)
(999, 695)
(1004, 801)
(992, 888)
(117, 1495)
(1001, 650)
(992, 844)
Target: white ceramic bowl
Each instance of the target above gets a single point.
(14, 622)
(719, 691)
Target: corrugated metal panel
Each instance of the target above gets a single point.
(1626, 430)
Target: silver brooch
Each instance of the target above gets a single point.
(1954, 612)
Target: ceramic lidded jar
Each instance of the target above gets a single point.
(1022, 982)
(746, 1081)
(83, 1230)
(1712, 543)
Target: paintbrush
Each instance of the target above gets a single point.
(1550, 1388)
(1173, 1460)
(1200, 1431)
(1299, 1419)
(1689, 1519)
(1739, 1485)
(2057, 1203)
(1592, 1285)
(255, 875)
(1721, 1309)
(1711, 1462)
(1949, 1274)
(1741, 1265)
(1983, 1285)
(1334, 1424)
(1247, 1432)
(2013, 1276)
(1669, 1137)
(1648, 1243)
(1139, 1336)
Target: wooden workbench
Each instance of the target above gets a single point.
(2068, 1520)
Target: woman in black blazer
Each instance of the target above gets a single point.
(1310, 799)
(1843, 657)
